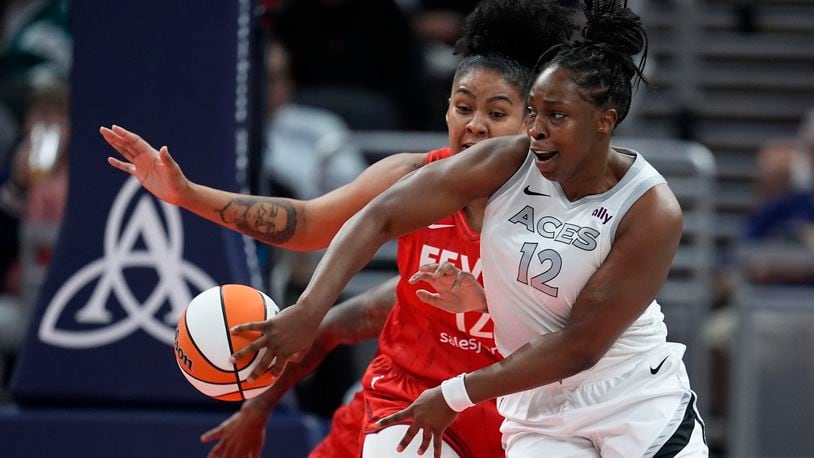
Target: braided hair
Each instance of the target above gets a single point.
(602, 64)
(507, 36)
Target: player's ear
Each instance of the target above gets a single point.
(607, 121)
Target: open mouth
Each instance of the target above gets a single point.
(545, 156)
(466, 146)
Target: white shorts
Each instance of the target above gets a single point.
(641, 408)
(383, 444)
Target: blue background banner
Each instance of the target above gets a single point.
(125, 264)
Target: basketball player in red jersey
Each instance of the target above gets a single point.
(419, 345)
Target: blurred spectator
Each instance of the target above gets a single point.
(788, 213)
(784, 211)
(440, 21)
(308, 153)
(784, 217)
(369, 72)
(32, 201)
(784, 164)
(35, 51)
(438, 25)
(308, 149)
(775, 164)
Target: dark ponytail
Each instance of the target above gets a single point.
(602, 64)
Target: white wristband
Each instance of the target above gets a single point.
(454, 392)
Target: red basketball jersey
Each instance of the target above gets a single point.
(428, 343)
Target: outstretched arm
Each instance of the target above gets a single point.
(431, 193)
(353, 321)
(286, 223)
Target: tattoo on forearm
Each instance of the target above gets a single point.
(270, 220)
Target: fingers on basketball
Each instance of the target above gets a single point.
(426, 439)
(258, 371)
(253, 326)
(408, 436)
(278, 367)
(394, 418)
(436, 442)
(262, 366)
(249, 349)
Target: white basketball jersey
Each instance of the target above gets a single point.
(538, 250)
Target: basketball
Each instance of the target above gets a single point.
(203, 344)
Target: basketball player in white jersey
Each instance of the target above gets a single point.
(577, 240)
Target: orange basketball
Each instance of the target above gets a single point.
(203, 344)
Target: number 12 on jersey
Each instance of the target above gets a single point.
(550, 259)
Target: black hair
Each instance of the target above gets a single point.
(507, 36)
(602, 64)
